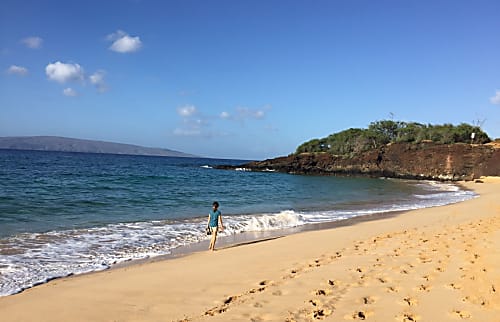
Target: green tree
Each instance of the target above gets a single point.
(411, 132)
(379, 133)
(386, 130)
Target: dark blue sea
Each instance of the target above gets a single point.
(71, 213)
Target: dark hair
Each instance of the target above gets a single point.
(215, 204)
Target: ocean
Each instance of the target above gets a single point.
(71, 213)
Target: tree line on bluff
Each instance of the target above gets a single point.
(380, 133)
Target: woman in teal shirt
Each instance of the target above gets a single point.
(214, 219)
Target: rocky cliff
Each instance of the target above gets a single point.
(399, 160)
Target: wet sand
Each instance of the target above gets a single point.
(434, 264)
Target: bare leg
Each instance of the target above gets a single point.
(212, 241)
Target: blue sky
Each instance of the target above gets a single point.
(243, 79)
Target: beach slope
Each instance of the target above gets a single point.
(435, 264)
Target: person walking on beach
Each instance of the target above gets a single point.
(214, 222)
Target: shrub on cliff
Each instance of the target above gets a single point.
(380, 133)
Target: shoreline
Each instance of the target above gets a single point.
(246, 238)
(225, 242)
(237, 240)
(241, 238)
(266, 273)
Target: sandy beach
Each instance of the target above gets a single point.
(434, 264)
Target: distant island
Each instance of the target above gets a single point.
(63, 144)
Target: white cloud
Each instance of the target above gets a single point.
(193, 124)
(32, 42)
(191, 127)
(123, 43)
(17, 70)
(97, 79)
(187, 110)
(258, 114)
(69, 92)
(244, 113)
(62, 73)
(495, 99)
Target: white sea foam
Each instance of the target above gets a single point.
(263, 222)
(438, 186)
(30, 259)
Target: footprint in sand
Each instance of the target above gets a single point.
(383, 280)
(461, 314)
(455, 286)
(359, 315)
(424, 259)
(427, 277)
(215, 311)
(379, 262)
(424, 240)
(408, 317)
(475, 300)
(424, 288)
(230, 299)
(368, 300)
(262, 287)
(410, 301)
(320, 314)
(293, 274)
(322, 292)
(315, 302)
(316, 263)
(258, 305)
(222, 308)
(392, 289)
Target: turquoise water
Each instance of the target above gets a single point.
(69, 213)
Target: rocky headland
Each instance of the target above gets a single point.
(427, 160)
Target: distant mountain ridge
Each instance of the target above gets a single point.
(63, 144)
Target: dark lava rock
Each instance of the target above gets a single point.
(429, 161)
